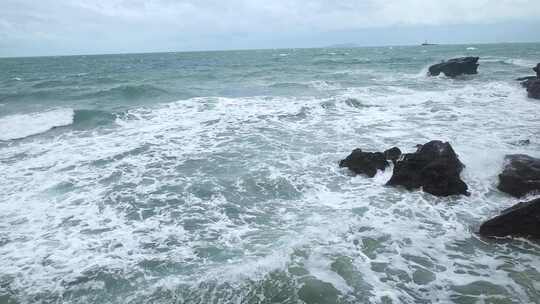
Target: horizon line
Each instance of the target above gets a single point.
(335, 45)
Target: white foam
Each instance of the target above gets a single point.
(268, 145)
(323, 85)
(22, 125)
(521, 62)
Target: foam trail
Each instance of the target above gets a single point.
(23, 125)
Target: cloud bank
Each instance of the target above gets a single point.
(70, 26)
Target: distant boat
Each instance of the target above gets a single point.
(427, 43)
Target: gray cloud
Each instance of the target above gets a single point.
(70, 26)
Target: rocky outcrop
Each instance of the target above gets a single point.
(520, 176)
(521, 220)
(455, 67)
(392, 154)
(366, 163)
(434, 167)
(532, 83)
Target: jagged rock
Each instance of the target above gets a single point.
(434, 167)
(537, 70)
(533, 89)
(521, 220)
(364, 162)
(455, 67)
(520, 176)
(392, 154)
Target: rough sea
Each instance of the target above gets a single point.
(212, 177)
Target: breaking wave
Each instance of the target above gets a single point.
(23, 125)
(20, 126)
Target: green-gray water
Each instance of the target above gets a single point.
(212, 177)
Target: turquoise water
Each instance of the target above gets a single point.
(212, 177)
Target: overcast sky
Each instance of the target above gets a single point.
(51, 27)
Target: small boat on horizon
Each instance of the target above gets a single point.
(427, 43)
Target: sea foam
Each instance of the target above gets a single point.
(23, 125)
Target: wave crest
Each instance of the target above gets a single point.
(128, 92)
(19, 126)
(86, 119)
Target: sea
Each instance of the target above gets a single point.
(213, 177)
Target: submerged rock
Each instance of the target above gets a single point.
(455, 67)
(521, 142)
(533, 89)
(314, 291)
(520, 176)
(522, 220)
(364, 162)
(434, 167)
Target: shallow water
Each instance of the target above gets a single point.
(212, 177)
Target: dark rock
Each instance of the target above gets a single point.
(434, 166)
(526, 78)
(525, 81)
(521, 142)
(455, 67)
(531, 81)
(533, 89)
(392, 154)
(521, 220)
(364, 162)
(520, 176)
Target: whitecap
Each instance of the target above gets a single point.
(22, 125)
(323, 85)
(471, 48)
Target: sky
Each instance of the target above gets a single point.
(65, 27)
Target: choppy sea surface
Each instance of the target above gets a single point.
(212, 177)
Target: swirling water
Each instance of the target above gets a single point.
(212, 177)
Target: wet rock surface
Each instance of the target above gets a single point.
(366, 163)
(520, 220)
(520, 176)
(434, 167)
(455, 67)
(533, 89)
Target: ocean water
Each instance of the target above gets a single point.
(212, 177)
